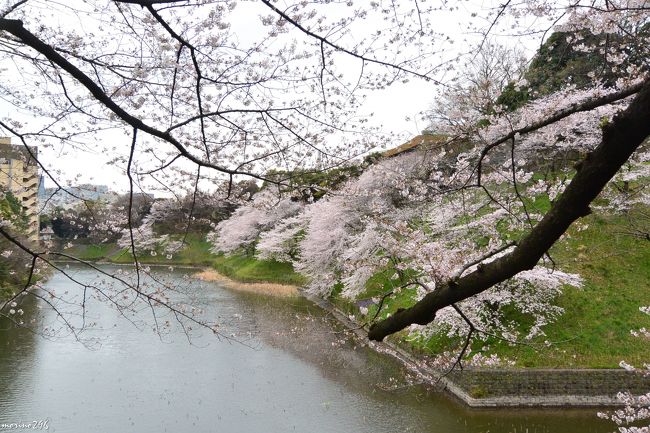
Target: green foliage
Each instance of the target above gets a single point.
(205, 212)
(317, 181)
(12, 210)
(371, 159)
(557, 64)
(249, 269)
(513, 98)
(13, 274)
(71, 224)
(44, 221)
(5, 279)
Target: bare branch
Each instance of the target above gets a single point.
(15, 27)
(324, 40)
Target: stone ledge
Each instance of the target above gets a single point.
(511, 387)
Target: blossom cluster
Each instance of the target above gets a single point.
(409, 216)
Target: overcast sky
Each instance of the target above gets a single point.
(398, 109)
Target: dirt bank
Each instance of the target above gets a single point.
(263, 288)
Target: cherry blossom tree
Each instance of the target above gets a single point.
(475, 93)
(191, 97)
(243, 228)
(399, 215)
(636, 408)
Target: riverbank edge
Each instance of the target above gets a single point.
(262, 288)
(453, 385)
(209, 274)
(142, 264)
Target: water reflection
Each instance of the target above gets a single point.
(295, 372)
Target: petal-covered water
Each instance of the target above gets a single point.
(288, 368)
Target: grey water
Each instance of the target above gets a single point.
(281, 365)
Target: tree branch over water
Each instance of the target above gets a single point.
(621, 138)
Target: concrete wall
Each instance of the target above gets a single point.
(537, 382)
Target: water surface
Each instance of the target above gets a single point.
(289, 368)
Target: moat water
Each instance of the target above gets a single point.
(286, 368)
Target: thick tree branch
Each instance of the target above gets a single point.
(588, 105)
(16, 28)
(621, 138)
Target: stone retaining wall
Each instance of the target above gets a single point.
(546, 387)
(513, 387)
(542, 382)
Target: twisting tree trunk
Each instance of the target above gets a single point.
(620, 139)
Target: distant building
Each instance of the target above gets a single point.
(47, 234)
(19, 175)
(41, 189)
(56, 198)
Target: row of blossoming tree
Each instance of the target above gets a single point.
(176, 93)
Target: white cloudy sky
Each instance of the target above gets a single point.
(397, 109)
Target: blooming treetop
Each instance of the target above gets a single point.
(264, 211)
(193, 91)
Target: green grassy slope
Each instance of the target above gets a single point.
(595, 328)
(248, 269)
(594, 331)
(197, 253)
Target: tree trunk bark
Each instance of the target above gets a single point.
(620, 139)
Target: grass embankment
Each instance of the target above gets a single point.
(197, 252)
(594, 331)
(250, 270)
(595, 327)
